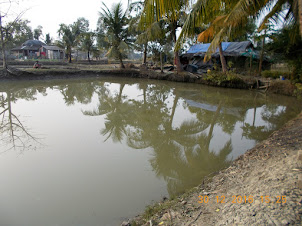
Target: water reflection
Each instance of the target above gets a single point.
(13, 133)
(182, 154)
(192, 130)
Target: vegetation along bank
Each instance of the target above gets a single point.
(219, 79)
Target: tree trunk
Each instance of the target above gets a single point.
(261, 56)
(3, 44)
(88, 56)
(69, 57)
(161, 62)
(176, 56)
(251, 63)
(300, 15)
(222, 59)
(145, 53)
(213, 123)
(121, 61)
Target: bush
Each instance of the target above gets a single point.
(276, 74)
(229, 79)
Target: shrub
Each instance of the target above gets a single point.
(275, 74)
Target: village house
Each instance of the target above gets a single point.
(35, 49)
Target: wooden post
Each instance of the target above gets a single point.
(161, 62)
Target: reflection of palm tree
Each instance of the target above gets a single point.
(181, 155)
(117, 113)
(184, 164)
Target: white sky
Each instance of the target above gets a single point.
(50, 13)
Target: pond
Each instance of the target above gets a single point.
(98, 151)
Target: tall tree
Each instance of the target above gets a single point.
(233, 15)
(38, 32)
(4, 29)
(87, 42)
(114, 23)
(48, 40)
(171, 10)
(70, 34)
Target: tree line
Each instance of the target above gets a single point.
(151, 26)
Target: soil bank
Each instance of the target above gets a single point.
(261, 187)
(229, 80)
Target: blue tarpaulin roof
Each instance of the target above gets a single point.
(228, 48)
(204, 47)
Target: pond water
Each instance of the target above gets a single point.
(97, 151)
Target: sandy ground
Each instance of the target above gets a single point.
(262, 187)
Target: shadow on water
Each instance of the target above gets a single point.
(192, 130)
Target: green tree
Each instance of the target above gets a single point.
(114, 24)
(48, 40)
(228, 18)
(38, 32)
(13, 33)
(171, 11)
(87, 42)
(70, 34)
(286, 48)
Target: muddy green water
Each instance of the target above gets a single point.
(97, 151)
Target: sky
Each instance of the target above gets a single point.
(50, 13)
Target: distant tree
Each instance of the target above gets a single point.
(38, 32)
(286, 48)
(70, 34)
(87, 42)
(48, 40)
(17, 32)
(114, 24)
(5, 29)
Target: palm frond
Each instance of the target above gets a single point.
(214, 44)
(275, 14)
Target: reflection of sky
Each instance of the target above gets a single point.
(76, 173)
(259, 111)
(80, 175)
(182, 114)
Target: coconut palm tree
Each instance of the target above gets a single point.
(231, 16)
(70, 34)
(144, 33)
(88, 43)
(114, 23)
(171, 11)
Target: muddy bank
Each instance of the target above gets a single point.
(229, 80)
(262, 187)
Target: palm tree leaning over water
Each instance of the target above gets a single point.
(228, 21)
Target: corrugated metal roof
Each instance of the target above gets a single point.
(52, 48)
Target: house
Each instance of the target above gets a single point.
(35, 49)
(237, 54)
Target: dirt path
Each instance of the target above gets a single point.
(259, 188)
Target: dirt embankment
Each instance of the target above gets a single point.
(229, 80)
(262, 187)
